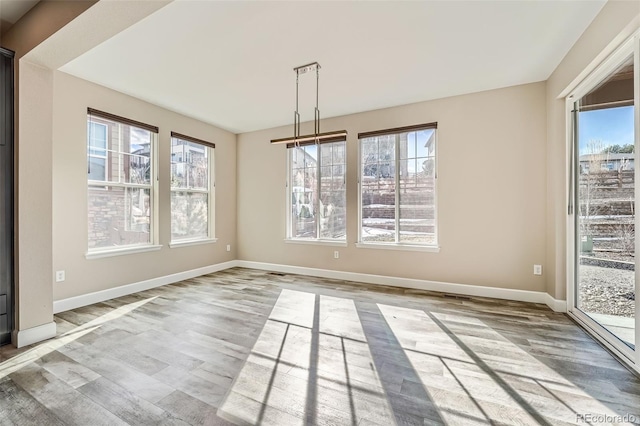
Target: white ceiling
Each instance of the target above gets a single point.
(230, 63)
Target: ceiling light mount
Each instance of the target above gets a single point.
(303, 69)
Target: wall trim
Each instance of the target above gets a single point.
(555, 304)
(21, 338)
(112, 293)
(443, 287)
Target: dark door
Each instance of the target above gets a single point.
(6, 196)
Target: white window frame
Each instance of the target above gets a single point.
(152, 245)
(289, 238)
(210, 237)
(398, 245)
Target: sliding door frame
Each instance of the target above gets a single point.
(7, 162)
(624, 352)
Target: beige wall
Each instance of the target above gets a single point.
(34, 296)
(49, 35)
(71, 98)
(616, 22)
(491, 193)
(501, 167)
(33, 100)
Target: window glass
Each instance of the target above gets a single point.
(317, 175)
(398, 191)
(190, 190)
(120, 186)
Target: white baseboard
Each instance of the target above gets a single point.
(555, 304)
(463, 289)
(444, 287)
(111, 293)
(20, 338)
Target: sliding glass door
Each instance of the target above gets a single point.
(604, 173)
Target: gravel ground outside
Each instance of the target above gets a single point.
(608, 291)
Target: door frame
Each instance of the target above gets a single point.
(601, 334)
(8, 164)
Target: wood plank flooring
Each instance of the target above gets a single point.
(246, 347)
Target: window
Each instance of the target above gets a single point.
(398, 186)
(120, 170)
(191, 188)
(316, 191)
(97, 150)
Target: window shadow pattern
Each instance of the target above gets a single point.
(323, 359)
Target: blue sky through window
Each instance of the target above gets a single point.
(610, 126)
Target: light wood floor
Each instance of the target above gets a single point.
(250, 347)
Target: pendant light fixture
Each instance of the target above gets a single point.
(316, 137)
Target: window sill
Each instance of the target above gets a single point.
(185, 243)
(121, 251)
(316, 242)
(393, 246)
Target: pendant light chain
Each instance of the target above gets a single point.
(296, 116)
(317, 112)
(297, 140)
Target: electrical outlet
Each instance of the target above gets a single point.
(336, 254)
(60, 276)
(537, 269)
(228, 247)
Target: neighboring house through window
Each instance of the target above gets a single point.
(316, 191)
(398, 187)
(192, 189)
(121, 184)
(97, 150)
